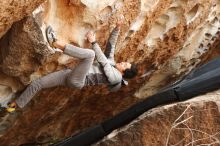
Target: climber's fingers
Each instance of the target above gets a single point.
(120, 19)
(90, 36)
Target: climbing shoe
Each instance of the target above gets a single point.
(11, 107)
(51, 36)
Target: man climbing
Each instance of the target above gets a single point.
(88, 72)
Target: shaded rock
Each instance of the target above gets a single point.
(193, 122)
(23, 49)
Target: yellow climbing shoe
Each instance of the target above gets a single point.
(10, 109)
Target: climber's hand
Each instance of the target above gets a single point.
(91, 36)
(120, 20)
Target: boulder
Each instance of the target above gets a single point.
(166, 38)
(194, 122)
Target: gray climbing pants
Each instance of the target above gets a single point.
(69, 77)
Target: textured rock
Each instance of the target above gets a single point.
(14, 10)
(25, 42)
(194, 122)
(9, 86)
(198, 37)
(167, 38)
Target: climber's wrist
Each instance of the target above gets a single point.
(94, 42)
(118, 27)
(91, 36)
(120, 21)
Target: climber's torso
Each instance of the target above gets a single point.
(96, 75)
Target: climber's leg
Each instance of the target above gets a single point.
(51, 80)
(77, 77)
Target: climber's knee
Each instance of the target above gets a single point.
(77, 85)
(91, 53)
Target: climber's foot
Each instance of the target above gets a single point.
(11, 107)
(52, 39)
(51, 36)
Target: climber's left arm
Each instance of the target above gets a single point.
(110, 48)
(113, 75)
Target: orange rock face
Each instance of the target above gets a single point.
(12, 11)
(167, 38)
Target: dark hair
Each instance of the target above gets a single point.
(130, 73)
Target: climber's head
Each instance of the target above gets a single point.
(128, 70)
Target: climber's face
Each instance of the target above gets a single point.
(122, 66)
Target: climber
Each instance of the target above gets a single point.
(88, 72)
